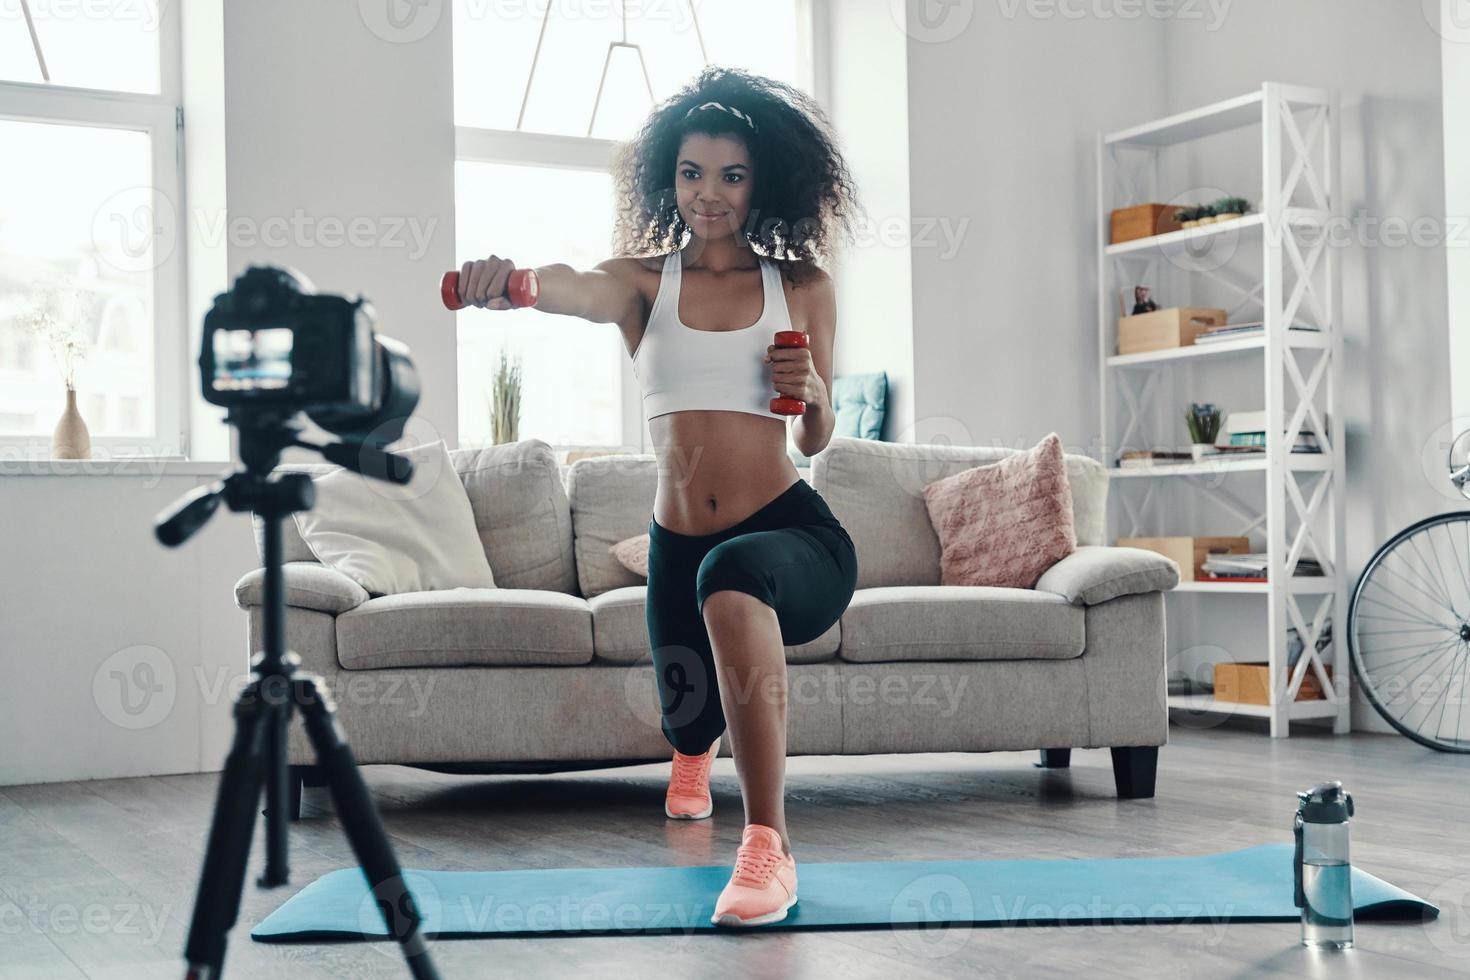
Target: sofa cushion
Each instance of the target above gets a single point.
(612, 500)
(521, 514)
(876, 490)
(393, 538)
(620, 631)
(309, 585)
(960, 622)
(1006, 522)
(466, 627)
(1092, 575)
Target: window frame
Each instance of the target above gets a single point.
(160, 117)
(475, 144)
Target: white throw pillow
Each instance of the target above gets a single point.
(392, 538)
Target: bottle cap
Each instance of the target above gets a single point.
(1325, 803)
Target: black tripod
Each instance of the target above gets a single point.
(263, 710)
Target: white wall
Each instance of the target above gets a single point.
(1003, 116)
(336, 117)
(119, 655)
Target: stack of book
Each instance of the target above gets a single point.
(1238, 331)
(1246, 432)
(1249, 568)
(1137, 459)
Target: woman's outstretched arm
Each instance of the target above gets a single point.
(605, 294)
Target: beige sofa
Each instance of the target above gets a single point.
(550, 671)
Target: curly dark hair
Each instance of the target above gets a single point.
(803, 192)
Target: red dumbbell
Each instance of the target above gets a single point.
(781, 405)
(522, 288)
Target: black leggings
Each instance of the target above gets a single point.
(792, 554)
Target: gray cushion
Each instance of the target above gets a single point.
(521, 513)
(620, 631)
(960, 622)
(466, 627)
(309, 585)
(876, 490)
(611, 499)
(293, 547)
(1094, 574)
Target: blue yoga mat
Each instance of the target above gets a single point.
(1254, 884)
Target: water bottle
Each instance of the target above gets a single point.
(1324, 884)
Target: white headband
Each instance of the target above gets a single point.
(720, 105)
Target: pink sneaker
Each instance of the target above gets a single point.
(688, 796)
(763, 885)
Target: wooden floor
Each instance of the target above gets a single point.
(97, 879)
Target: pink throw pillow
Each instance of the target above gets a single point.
(1004, 523)
(632, 554)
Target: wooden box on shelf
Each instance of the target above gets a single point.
(1175, 327)
(1189, 553)
(1142, 221)
(1250, 684)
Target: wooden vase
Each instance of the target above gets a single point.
(71, 439)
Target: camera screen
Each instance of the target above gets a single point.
(252, 359)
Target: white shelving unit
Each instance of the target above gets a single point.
(1277, 267)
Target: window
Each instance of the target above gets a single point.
(537, 118)
(89, 269)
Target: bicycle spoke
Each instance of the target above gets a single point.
(1409, 605)
(1443, 698)
(1412, 629)
(1440, 591)
(1412, 657)
(1422, 590)
(1460, 563)
(1460, 706)
(1451, 685)
(1408, 687)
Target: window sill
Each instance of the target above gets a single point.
(130, 466)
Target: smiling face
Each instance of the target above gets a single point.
(713, 181)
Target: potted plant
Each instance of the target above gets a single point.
(1227, 208)
(1206, 214)
(58, 316)
(1203, 421)
(1187, 216)
(505, 401)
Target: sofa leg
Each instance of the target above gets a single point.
(1134, 770)
(301, 776)
(1055, 759)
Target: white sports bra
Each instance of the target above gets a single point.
(682, 369)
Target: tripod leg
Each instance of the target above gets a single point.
(363, 827)
(217, 905)
(276, 689)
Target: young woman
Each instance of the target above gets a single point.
(730, 195)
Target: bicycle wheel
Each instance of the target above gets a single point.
(1409, 631)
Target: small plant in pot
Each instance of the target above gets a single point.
(1227, 208)
(1203, 421)
(1188, 216)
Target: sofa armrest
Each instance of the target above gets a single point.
(309, 585)
(1094, 574)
